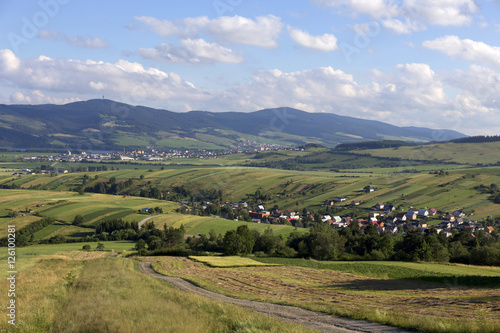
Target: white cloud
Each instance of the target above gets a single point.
(48, 34)
(192, 51)
(406, 16)
(441, 12)
(9, 62)
(87, 42)
(123, 80)
(409, 95)
(324, 43)
(37, 97)
(466, 49)
(401, 27)
(262, 32)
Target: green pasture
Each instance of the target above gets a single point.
(230, 261)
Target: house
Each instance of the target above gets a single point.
(401, 217)
(355, 203)
(391, 229)
(338, 225)
(373, 220)
(145, 209)
(260, 207)
(432, 211)
(423, 213)
(329, 202)
(489, 229)
(374, 214)
(380, 205)
(445, 225)
(459, 213)
(337, 219)
(411, 215)
(391, 219)
(339, 199)
(326, 218)
(368, 189)
(449, 217)
(389, 208)
(423, 224)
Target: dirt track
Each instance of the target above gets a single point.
(317, 320)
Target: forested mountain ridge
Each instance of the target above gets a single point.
(106, 124)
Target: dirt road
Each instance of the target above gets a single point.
(140, 224)
(317, 320)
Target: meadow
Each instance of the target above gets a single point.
(396, 298)
(59, 295)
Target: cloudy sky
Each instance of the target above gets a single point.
(432, 63)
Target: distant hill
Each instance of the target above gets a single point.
(105, 124)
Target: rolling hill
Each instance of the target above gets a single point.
(106, 124)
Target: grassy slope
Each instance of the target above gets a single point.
(464, 153)
(96, 296)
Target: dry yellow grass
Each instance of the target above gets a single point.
(412, 304)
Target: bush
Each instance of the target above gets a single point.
(78, 220)
(86, 247)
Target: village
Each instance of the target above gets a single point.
(386, 218)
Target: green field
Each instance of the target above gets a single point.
(232, 261)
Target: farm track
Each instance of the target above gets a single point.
(140, 224)
(316, 320)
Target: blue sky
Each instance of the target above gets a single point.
(432, 63)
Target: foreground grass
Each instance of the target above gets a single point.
(232, 261)
(109, 295)
(408, 303)
(27, 257)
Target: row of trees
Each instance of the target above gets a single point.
(351, 243)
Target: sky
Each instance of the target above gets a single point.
(429, 63)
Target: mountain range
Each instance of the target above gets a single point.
(104, 124)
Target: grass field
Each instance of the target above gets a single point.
(232, 261)
(463, 153)
(414, 303)
(64, 206)
(109, 295)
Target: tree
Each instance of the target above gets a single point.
(141, 244)
(233, 244)
(78, 220)
(86, 247)
(81, 191)
(386, 245)
(100, 247)
(246, 237)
